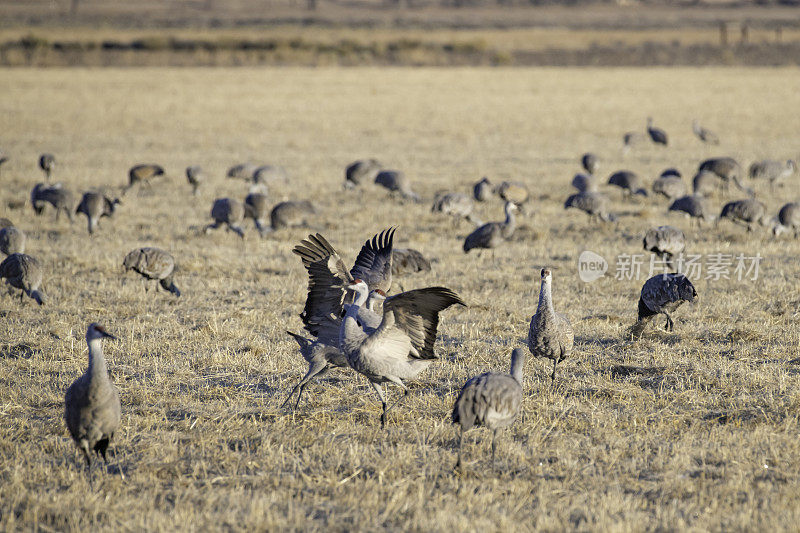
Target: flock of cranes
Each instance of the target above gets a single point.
(350, 316)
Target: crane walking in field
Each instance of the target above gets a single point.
(663, 294)
(550, 334)
(491, 234)
(228, 211)
(153, 263)
(92, 408)
(592, 203)
(96, 205)
(144, 174)
(491, 400)
(195, 176)
(745, 212)
(657, 135)
(456, 204)
(56, 195)
(705, 135)
(47, 163)
(23, 272)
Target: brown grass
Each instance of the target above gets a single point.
(696, 429)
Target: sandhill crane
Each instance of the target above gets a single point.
(402, 346)
(590, 163)
(669, 186)
(773, 171)
(270, 175)
(695, 206)
(396, 181)
(665, 241)
(96, 205)
(482, 190)
(663, 294)
(143, 174)
(360, 172)
(491, 234)
(324, 308)
(92, 408)
(726, 168)
(788, 219)
(746, 212)
(628, 181)
(56, 195)
(47, 162)
(23, 272)
(257, 207)
(592, 203)
(195, 176)
(243, 171)
(631, 139)
(705, 135)
(292, 214)
(12, 240)
(228, 211)
(584, 182)
(513, 191)
(670, 172)
(491, 400)
(657, 135)
(550, 334)
(706, 183)
(408, 261)
(456, 204)
(153, 263)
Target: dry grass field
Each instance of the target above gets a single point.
(698, 431)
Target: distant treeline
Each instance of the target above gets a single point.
(158, 51)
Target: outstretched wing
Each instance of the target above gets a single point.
(416, 313)
(327, 276)
(374, 261)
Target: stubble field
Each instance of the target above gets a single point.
(697, 430)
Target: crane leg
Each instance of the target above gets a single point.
(553, 375)
(670, 325)
(494, 445)
(460, 443)
(382, 397)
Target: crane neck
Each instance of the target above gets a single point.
(545, 296)
(97, 363)
(517, 364)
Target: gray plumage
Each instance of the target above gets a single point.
(788, 219)
(92, 409)
(705, 135)
(23, 272)
(628, 181)
(657, 135)
(396, 181)
(257, 207)
(665, 241)
(775, 172)
(324, 308)
(96, 205)
(243, 171)
(228, 211)
(590, 162)
(694, 205)
(292, 214)
(669, 186)
(195, 176)
(360, 172)
(47, 163)
(584, 182)
(56, 195)
(550, 334)
(482, 190)
(408, 261)
(143, 174)
(12, 241)
(456, 204)
(745, 212)
(663, 294)
(726, 168)
(153, 263)
(491, 400)
(402, 346)
(5, 222)
(270, 175)
(670, 172)
(513, 191)
(491, 234)
(706, 183)
(592, 203)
